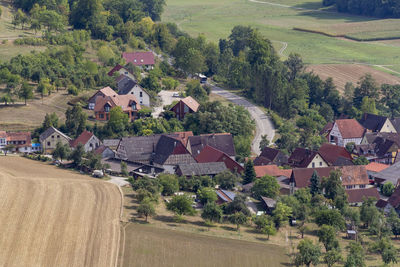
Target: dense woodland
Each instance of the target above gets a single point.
(376, 8)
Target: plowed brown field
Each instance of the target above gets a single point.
(343, 73)
(53, 217)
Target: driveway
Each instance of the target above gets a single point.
(264, 125)
(166, 99)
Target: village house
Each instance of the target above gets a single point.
(224, 196)
(356, 197)
(210, 154)
(220, 141)
(305, 158)
(335, 155)
(106, 91)
(105, 152)
(144, 60)
(21, 141)
(121, 71)
(127, 86)
(346, 131)
(128, 103)
(377, 123)
(375, 167)
(185, 106)
(89, 141)
(3, 140)
(392, 203)
(199, 169)
(269, 204)
(379, 147)
(49, 139)
(390, 174)
(271, 156)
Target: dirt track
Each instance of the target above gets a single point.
(53, 217)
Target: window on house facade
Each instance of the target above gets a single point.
(48, 143)
(52, 136)
(133, 106)
(58, 136)
(106, 108)
(320, 163)
(101, 116)
(349, 186)
(362, 186)
(141, 94)
(313, 165)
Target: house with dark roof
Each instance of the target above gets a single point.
(271, 156)
(105, 152)
(128, 103)
(379, 147)
(346, 131)
(220, 141)
(121, 71)
(224, 196)
(305, 158)
(49, 139)
(353, 177)
(210, 154)
(356, 197)
(335, 155)
(389, 174)
(140, 59)
(377, 123)
(392, 203)
(106, 91)
(128, 86)
(199, 169)
(269, 204)
(375, 167)
(185, 106)
(89, 141)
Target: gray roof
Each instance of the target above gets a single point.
(390, 174)
(125, 86)
(225, 195)
(210, 168)
(111, 142)
(271, 203)
(138, 148)
(49, 132)
(115, 165)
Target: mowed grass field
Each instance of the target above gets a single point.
(215, 19)
(150, 246)
(54, 217)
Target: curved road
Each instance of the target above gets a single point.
(264, 125)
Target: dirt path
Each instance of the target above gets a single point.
(54, 217)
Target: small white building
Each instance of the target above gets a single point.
(346, 131)
(127, 86)
(89, 141)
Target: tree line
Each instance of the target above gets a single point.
(376, 8)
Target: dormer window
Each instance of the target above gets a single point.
(133, 106)
(107, 108)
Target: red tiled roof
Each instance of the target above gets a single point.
(183, 136)
(302, 176)
(357, 195)
(271, 170)
(3, 134)
(116, 100)
(331, 153)
(350, 128)
(116, 68)
(100, 149)
(139, 58)
(376, 167)
(191, 103)
(354, 175)
(83, 138)
(20, 136)
(211, 154)
(394, 199)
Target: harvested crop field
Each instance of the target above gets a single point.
(343, 73)
(55, 217)
(149, 246)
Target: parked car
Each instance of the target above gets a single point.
(176, 94)
(98, 174)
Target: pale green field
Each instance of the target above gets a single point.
(215, 19)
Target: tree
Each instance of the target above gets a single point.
(330, 217)
(8, 148)
(295, 65)
(265, 224)
(61, 151)
(281, 214)
(25, 91)
(394, 222)
(327, 235)
(43, 88)
(181, 205)
(388, 189)
(361, 160)
(75, 121)
(211, 212)
(308, 253)
(226, 180)
(118, 120)
(84, 12)
(206, 195)
(332, 256)
(146, 208)
(124, 168)
(35, 25)
(350, 147)
(237, 205)
(334, 189)
(367, 87)
(169, 183)
(194, 89)
(238, 218)
(355, 258)
(369, 212)
(316, 187)
(266, 186)
(7, 98)
(77, 155)
(249, 172)
(50, 120)
(264, 142)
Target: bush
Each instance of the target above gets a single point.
(72, 90)
(387, 189)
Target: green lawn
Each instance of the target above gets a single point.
(216, 18)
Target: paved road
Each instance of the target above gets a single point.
(264, 125)
(120, 181)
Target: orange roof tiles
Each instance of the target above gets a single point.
(123, 101)
(83, 138)
(191, 103)
(271, 170)
(376, 167)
